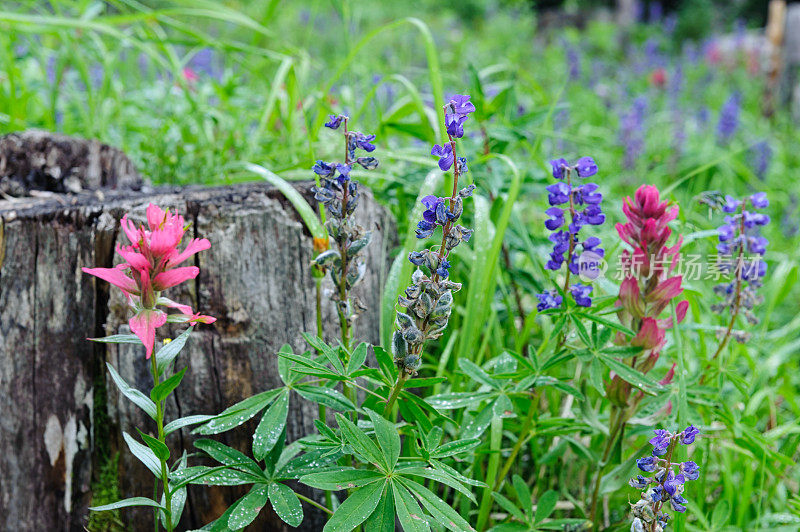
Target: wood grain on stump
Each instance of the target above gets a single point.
(255, 279)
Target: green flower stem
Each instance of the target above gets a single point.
(618, 423)
(398, 387)
(495, 440)
(523, 438)
(162, 439)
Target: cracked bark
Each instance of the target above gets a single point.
(254, 279)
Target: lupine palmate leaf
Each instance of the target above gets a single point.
(356, 508)
(271, 426)
(125, 503)
(144, 454)
(137, 397)
(286, 504)
(169, 351)
(248, 507)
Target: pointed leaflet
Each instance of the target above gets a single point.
(163, 389)
(286, 504)
(360, 442)
(331, 354)
(355, 509)
(523, 493)
(285, 365)
(441, 477)
(178, 497)
(125, 503)
(477, 373)
(137, 397)
(169, 351)
(179, 423)
(439, 510)
(248, 507)
(387, 436)
(271, 426)
(237, 414)
(343, 478)
(382, 519)
(143, 453)
(159, 448)
(119, 339)
(357, 358)
(325, 396)
(545, 506)
(227, 455)
(511, 508)
(408, 511)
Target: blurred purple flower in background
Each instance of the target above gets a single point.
(729, 118)
(573, 62)
(760, 157)
(632, 131)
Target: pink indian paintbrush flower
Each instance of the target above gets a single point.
(649, 285)
(152, 264)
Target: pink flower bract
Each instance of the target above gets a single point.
(152, 266)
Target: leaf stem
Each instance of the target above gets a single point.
(314, 503)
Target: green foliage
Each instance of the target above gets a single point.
(506, 423)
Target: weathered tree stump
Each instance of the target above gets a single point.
(36, 160)
(255, 279)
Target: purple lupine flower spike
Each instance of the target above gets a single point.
(665, 485)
